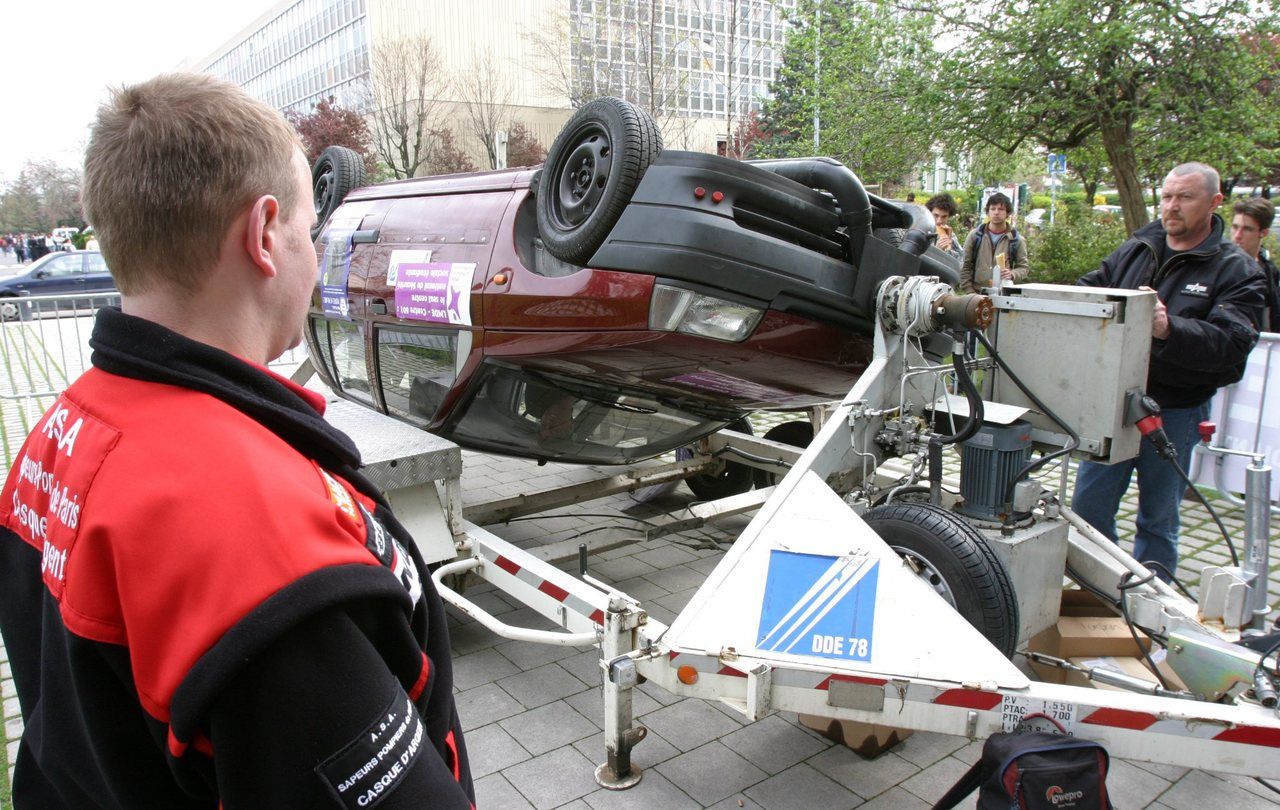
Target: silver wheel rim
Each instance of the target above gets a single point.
(927, 572)
(8, 309)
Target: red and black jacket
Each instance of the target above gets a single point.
(205, 604)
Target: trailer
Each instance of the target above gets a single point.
(862, 589)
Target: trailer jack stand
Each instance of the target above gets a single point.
(620, 677)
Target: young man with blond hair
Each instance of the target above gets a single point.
(1208, 309)
(206, 604)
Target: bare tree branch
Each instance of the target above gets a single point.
(402, 98)
(486, 96)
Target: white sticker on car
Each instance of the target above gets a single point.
(399, 257)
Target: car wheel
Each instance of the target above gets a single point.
(729, 477)
(11, 310)
(592, 169)
(957, 562)
(338, 170)
(798, 433)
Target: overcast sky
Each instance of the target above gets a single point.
(57, 60)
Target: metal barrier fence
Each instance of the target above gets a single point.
(44, 343)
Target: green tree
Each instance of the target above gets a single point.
(856, 64)
(44, 196)
(1059, 72)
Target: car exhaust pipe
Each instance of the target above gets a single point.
(831, 175)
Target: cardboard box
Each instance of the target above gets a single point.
(1083, 637)
(1097, 636)
(866, 739)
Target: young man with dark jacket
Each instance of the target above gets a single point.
(206, 605)
(1208, 310)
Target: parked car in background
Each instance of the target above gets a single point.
(58, 273)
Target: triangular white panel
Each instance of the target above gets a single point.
(815, 586)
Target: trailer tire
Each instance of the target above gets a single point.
(797, 433)
(337, 172)
(956, 560)
(593, 168)
(731, 478)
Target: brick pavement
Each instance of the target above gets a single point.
(534, 715)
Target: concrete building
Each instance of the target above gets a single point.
(702, 66)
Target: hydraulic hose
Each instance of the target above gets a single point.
(831, 175)
(937, 442)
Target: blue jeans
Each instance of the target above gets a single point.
(1099, 488)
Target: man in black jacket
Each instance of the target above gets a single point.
(206, 605)
(1207, 315)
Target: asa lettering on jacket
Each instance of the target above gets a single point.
(43, 503)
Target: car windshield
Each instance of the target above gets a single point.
(558, 417)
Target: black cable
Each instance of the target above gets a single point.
(1266, 785)
(1031, 466)
(1093, 589)
(1152, 564)
(976, 415)
(1126, 584)
(1235, 558)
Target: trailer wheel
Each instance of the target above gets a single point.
(592, 169)
(957, 562)
(337, 172)
(797, 433)
(729, 478)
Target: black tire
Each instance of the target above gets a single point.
(730, 478)
(893, 236)
(338, 171)
(592, 169)
(798, 433)
(12, 309)
(956, 560)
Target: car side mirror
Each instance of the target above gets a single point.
(42, 273)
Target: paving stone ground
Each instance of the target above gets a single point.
(534, 716)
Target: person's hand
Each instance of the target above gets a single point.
(1006, 274)
(1160, 322)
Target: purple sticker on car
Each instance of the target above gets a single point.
(335, 268)
(439, 292)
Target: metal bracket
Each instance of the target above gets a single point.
(1017, 303)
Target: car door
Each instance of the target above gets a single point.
(96, 275)
(61, 275)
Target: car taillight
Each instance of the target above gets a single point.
(674, 309)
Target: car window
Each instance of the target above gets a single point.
(95, 263)
(416, 368)
(546, 415)
(342, 351)
(64, 266)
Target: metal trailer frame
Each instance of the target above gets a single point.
(1239, 736)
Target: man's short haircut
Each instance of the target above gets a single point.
(1209, 175)
(943, 201)
(171, 163)
(999, 198)
(1259, 209)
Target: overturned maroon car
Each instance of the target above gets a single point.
(618, 303)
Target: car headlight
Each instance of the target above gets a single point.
(674, 309)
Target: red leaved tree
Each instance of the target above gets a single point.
(331, 125)
(447, 158)
(523, 148)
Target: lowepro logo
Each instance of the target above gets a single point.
(1058, 797)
